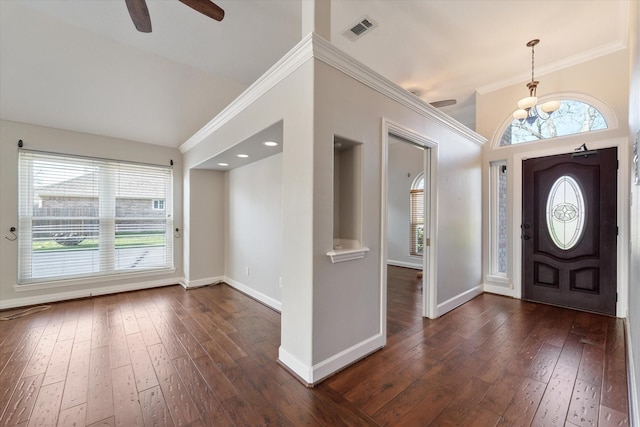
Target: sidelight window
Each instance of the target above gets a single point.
(498, 219)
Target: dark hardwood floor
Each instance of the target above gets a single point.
(207, 357)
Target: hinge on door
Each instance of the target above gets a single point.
(617, 230)
(428, 242)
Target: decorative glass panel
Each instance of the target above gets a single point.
(565, 212)
(571, 118)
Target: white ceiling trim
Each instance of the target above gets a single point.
(314, 46)
(331, 55)
(297, 56)
(556, 66)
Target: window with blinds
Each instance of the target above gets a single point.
(82, 217)
(416, 239)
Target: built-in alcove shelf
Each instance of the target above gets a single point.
(346, 250)
(347, 200)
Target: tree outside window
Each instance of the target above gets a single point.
(571, 118)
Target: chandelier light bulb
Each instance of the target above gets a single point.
(528, 102)
(520, 114)
(550, 106)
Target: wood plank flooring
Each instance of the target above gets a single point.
(207, 357)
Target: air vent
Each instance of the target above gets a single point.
(360, 28)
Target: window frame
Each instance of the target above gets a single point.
(157, 204)
(495, 168)
(604, 109)
(106, 218)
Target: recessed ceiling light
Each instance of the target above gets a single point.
(270, 143)
(242, 156)
(223, 164)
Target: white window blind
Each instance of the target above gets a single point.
(81, 217)
(416, 239)
(417, 222)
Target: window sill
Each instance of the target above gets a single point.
(341, 255)
(492, 278)
(33, 286)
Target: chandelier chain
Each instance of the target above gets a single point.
(532, 61)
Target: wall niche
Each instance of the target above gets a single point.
(347, 200)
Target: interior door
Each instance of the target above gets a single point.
(569, 230)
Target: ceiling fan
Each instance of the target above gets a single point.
(141, 19)
(438, 104)
(443, 103)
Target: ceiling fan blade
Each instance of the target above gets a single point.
(443, 103)
(206, 7)
(139, 15)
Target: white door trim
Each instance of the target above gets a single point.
(429, 258)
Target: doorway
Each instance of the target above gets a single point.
(569, 230)
(419, 249)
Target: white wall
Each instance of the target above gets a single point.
(60, 141)
(405, 163)
(333, 314)
(206, 202)
(254, 229)
(290, 100)
(495, 108)
(633, 321)
(349, 293)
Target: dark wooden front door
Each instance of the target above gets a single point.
(569, 230)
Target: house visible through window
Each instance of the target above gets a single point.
(82, 217)
(417, 216)
(158, 204)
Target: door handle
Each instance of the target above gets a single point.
(525, 237)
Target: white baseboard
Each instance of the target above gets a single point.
(415, 266)
(316, 373)
(295, 365)
(458, 300)
(264, 299)
(634, 409)
(499, 290)
(88, 292)
(190, 284)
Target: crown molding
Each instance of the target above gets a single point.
(314, 46)
(555, 66)
(331, 55)
(290, 62)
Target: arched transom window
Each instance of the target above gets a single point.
(571, 118)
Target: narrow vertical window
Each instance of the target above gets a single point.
(498, 219)
(417, 216)
(81, 217)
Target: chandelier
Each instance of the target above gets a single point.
(528, 108)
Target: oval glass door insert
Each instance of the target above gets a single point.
(565, 212)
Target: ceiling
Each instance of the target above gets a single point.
(81, 65)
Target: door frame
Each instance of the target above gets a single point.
(429, 257)
(622, 245)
